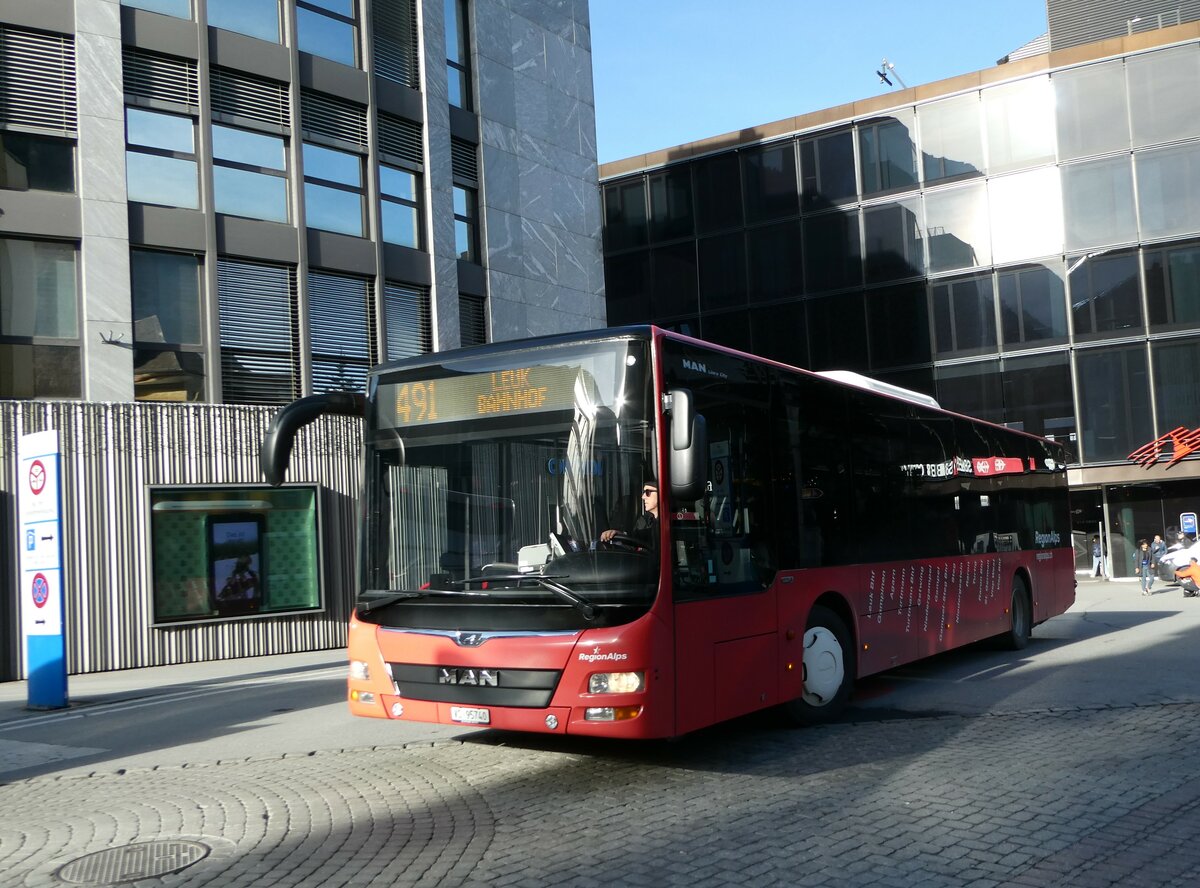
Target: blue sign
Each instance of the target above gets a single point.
(1187, 523)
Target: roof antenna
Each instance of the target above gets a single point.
(886, 68)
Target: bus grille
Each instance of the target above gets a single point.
(526, 688)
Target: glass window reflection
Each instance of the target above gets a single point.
(1038, 399)
(37, 289)
(1114, 402)
(898, 326)
(770, 177)
(1026, 215)
(895, 248)
(1173, 286)
(254, 18)
(951, 133)
(1091, 110)
(975, 389)
(887, 153)
(1164, 104)
(718, 191)
(1033, 305)
(833, 254)
(332, 166)
(327, 37)
(964, 316)
(1099, 203)
(154, 129)
(671, 205)
(332, 209)
(249, 194)
(774, 259)
(1105, 296)
(1020, 124)
(956, 227)
(1168, 186)
(166, 297)
(1176, 369)
(167, 181)
(625, 215)
(827, 171)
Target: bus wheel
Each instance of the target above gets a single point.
(828, 670)
(1021, 612)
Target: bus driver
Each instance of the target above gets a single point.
(645, 529)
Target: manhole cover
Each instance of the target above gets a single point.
(132, 862)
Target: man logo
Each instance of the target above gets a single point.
(483, 678)
(695, 366)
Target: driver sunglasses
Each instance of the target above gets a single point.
(646, 491)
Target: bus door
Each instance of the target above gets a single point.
(721, 546)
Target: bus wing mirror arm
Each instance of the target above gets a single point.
(276, 451)
(689, 447)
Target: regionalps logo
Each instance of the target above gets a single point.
(596, 656)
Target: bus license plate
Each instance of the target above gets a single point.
(470, 716)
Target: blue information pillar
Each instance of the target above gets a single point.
(40, 588)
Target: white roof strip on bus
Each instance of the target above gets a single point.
(857, 380)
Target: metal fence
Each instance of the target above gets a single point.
(110, 453)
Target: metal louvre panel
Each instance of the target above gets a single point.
(254, 98)
(259, 360)
(169, 79)
(402, 139)
(323, 115)
(37, 80)
(464, 162)
(110, 452)
(396, 42)
(409, 325)
(472, 320)
(340, 322)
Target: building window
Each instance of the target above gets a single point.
(1098, 203)
(409, 321)
(625, 215)
(249, 174)
(951, 133)
(177, 8)
(974, 389)
(1176, 365)
(255, 18)
(827, 171)
(1173, 287)
(401, 211)
(964, 316)
(328, 28)
(1164, 105)
(1033, 305)
(39, 320)
(472, 319)
(895, 246)
(887, 153)
(1168, 190)
(168, 360)
(31, 162)
(956, 228)
(1105, 297)
(458, 54)
(396, 41)
(465, 170)
(333, 190)
(671, 205)
(1114, 402)
(160, 162)
(341, 331)
(1090, 106)
(1038, 400)
(260, 362)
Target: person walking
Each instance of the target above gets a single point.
(1158, 548)
(1141, 566)
(1097, 557)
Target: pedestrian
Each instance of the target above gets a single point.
(1158, 549)
(1097, 558)
(1189, 579)
(1141, 566)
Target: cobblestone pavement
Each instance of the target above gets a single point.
(1081, 797)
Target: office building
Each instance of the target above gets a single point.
(212, 207)
(1022, 243)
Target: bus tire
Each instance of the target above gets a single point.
(1021, 612)
(828, 670)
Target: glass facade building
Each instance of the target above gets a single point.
(1022, 243)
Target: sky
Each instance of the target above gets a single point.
(668, 72)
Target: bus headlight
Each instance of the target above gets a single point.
(616, 682)
(359, 671)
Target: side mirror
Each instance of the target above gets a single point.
(276, 450)
(689, 448)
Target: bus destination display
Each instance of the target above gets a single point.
(480, 395)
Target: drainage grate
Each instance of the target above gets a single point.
(129, 863)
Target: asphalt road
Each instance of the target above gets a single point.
(1069, 763)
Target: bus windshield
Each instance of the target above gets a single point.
(489, 481)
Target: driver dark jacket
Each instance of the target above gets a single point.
(645, 530)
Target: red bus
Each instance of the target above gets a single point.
(813, 529)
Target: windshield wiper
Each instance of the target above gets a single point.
(584, 606)
(394, 596)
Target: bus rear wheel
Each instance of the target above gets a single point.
(1021, 612)
(828, 670)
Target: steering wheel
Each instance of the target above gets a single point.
(624, 542)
